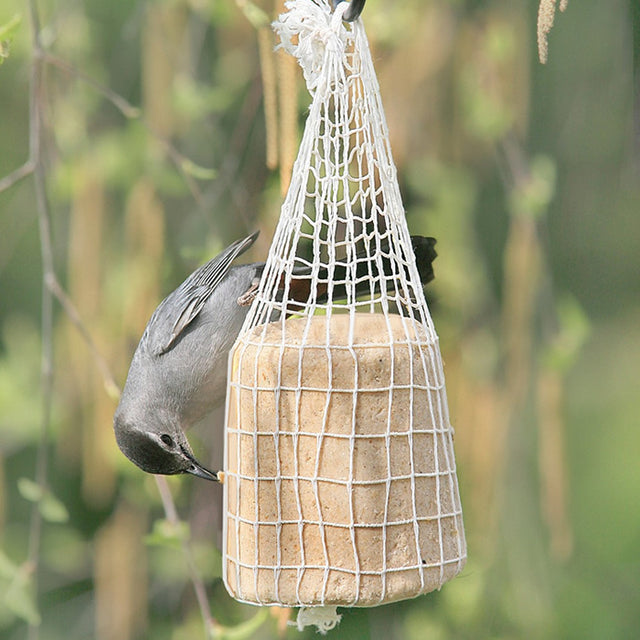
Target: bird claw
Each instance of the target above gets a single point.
(249, 295)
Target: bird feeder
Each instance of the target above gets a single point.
(340, 477)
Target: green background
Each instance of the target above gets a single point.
(528, 176)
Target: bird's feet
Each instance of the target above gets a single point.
(249, 295)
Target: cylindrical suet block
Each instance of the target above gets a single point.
(340, 484)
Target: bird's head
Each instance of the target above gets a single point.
(162, 449)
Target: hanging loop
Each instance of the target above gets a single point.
(354, 10)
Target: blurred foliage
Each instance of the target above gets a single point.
(155, 154)
(7, 32)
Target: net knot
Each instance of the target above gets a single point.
(322, 618)
(311, 31)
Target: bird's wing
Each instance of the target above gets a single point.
(179, 308)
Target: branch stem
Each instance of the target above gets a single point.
(130, 112)
(36, 161)
(15, 176)
(110, 384)
(199, 588)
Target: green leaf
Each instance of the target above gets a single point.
(51, 509)
(7, 33)
(197, 171)
(243, 630)
(168, 534)
(8, 568)
(30, 490)
(16, 590)
(19, 599)
(8, 30)
(533, 196)
(208, 560)
(574, 330)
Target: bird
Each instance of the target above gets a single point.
(178, 373)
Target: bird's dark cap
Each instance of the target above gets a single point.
(145, 451)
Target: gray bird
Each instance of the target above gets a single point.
(178, 374)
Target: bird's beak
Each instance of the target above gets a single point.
(196, 469)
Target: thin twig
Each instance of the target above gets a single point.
(229, 169)
(110, 384)
(131, 112)
(46, 250)
(15, 176)
(124, 106)
(199, 588)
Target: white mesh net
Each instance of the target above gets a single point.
(340, 483)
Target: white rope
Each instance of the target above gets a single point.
(308, 31)
(324, 619)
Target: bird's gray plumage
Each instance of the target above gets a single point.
(178, 372)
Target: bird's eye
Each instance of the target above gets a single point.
(167, 439)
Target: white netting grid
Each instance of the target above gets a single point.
(340, 479)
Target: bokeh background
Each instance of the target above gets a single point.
(155, 153)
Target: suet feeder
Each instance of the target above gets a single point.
(340, 478)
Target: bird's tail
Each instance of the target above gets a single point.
(424, 250)
(339, 279)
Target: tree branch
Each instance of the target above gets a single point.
(15, 176)
(110, 385)
(131, 112)
(46, 250)
(171, 514)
